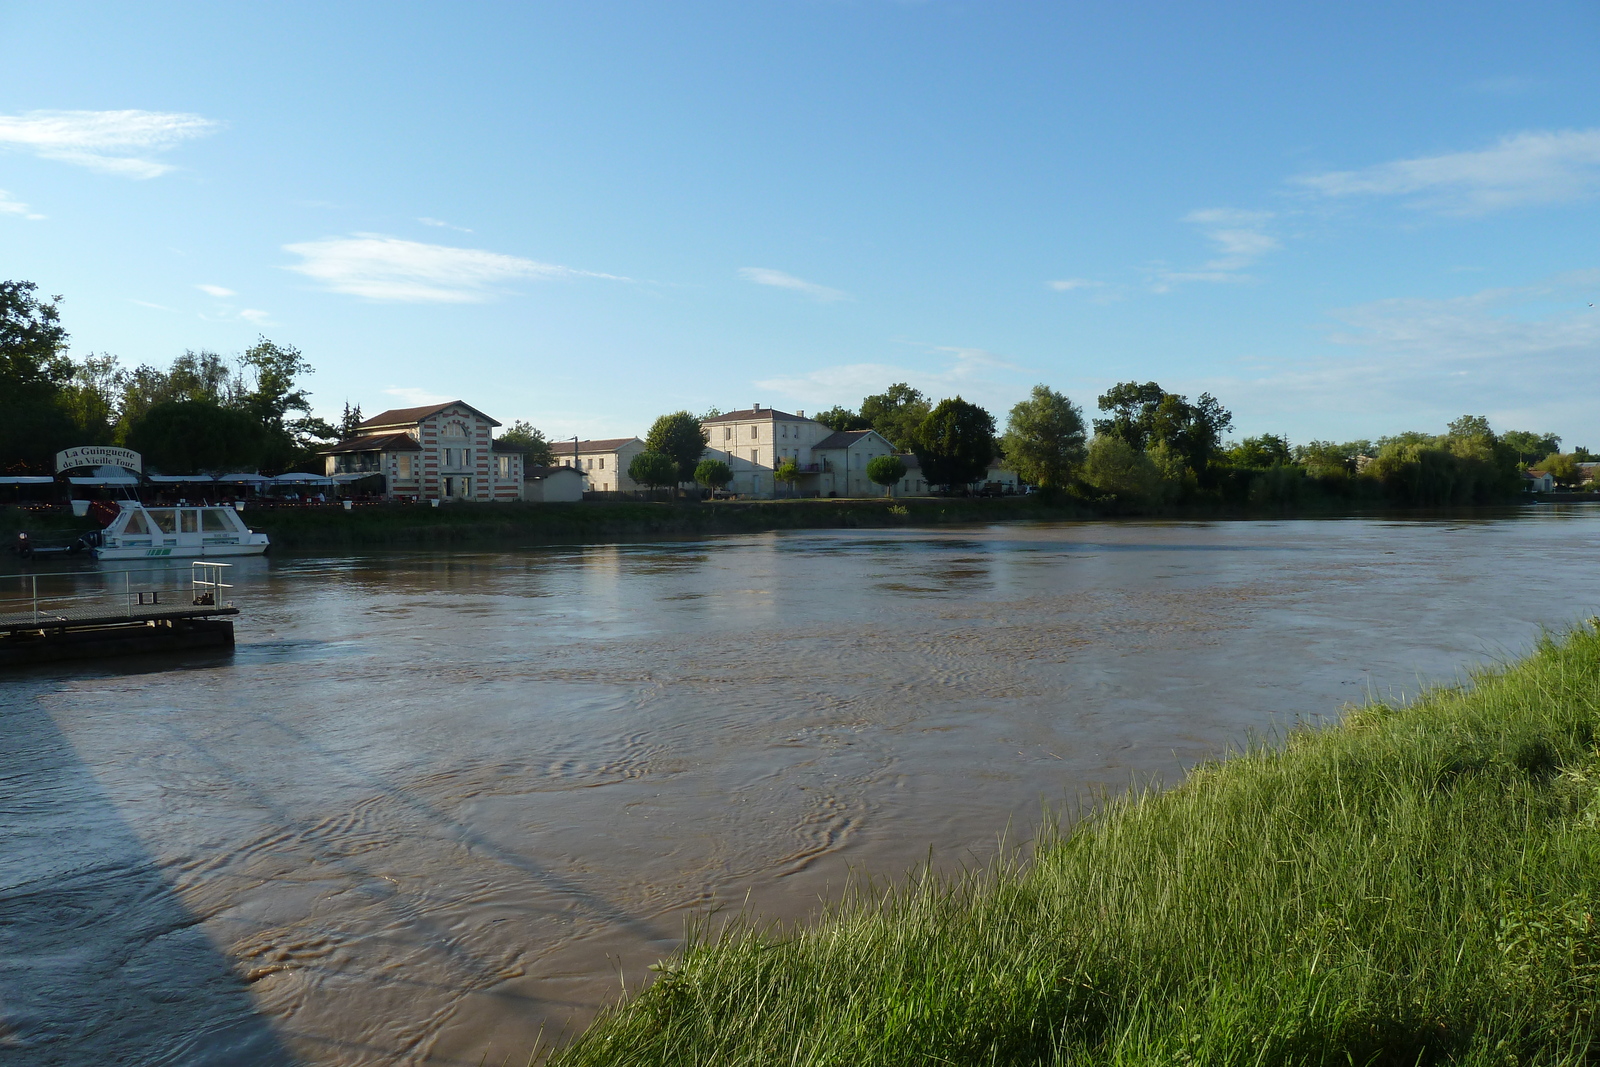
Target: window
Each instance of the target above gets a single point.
(164, 520)
(213, 522)
(755, 455)
(503, 466)
(602, 463)
(136, 524)
(786, 429)
(189, 520)
(755, 433)
(405, 466)
(727, 433)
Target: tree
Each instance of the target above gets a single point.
(787, 472)
(33, 345)
(349, 421)
(194, 436)
(712, 473)
(954, 443)
(681, 436)
(539, 451)
(1564, 469)
(840, 417)
(886, 471)
(1116, 467)
(1530, 447)
(657, 470)
(896, 413)
(1268, 450)
(1146, 415)
(90, 398)
(1044, 438)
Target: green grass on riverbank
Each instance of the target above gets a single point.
(1416, 885)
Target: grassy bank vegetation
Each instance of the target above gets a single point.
(1416, 885)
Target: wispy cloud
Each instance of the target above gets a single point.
(255, 315)
(377, 267)
(112, 142)
(1239, 238)
(1413, 363)
(10, 205)
(1536, 167)
(443, 225)
(1506, 85)
(1067, 285)
(416, 397)
(767, 276)
(977, 374)
(216, 290)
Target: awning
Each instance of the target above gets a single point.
(243, 479)
(125, 479)
(26, 479)
(356, 476)
(179, 479)
(302, 479)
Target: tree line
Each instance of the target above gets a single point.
(202, 413)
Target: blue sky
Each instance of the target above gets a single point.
(1342, 220)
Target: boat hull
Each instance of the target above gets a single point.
(179, 552)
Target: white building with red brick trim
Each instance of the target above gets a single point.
(440, 452)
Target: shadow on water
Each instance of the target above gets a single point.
(100, 962)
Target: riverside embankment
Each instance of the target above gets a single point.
(1415, 885)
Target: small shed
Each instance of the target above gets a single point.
(553, 485)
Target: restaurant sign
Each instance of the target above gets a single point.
(98, 456)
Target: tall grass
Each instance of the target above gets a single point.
(1415, 885)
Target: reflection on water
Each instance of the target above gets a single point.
(433, 804)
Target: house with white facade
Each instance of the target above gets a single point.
(553, 485)
(757, 440)
(843, 456)
(604, 463)
(437, 452)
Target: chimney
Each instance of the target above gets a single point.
(800, 414)
(755, 407)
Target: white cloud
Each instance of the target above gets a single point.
(972, 372)
(1410, 363)
(443, 224)
(1066, 285)
(1537, 167)
(415, 397)
(388, 268)
(254, 315)
(113, 142)
(216, 290)
(767, 276)
(10, 205)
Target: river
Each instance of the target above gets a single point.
(436, 808)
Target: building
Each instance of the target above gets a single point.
(1538, 481)
(553, 485)
(843, 457)
(757, 440)
(437, 452)
(603, 463)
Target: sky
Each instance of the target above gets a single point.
(1343, 220)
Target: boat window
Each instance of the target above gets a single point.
(191, 520)
(214, 522)
(136, 523)
(164, 519)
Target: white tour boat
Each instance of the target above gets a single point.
(139, 532)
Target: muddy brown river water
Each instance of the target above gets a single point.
(434, 805)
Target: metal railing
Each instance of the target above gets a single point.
(203, 589)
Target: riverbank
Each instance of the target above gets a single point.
(465, 524)
(1414, 885)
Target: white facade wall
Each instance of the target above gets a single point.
(604, 463)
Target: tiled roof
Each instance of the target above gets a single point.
(840, 439)
(609, 444)
(750, 413)
(407, 416)
(376, 442)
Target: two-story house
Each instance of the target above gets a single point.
(437, 452)
(604, 463)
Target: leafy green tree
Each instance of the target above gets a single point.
(1132, 408)
(1144, 415)
(90, 399)
(33, 369)
(349, 421)
(787, 472)
(1531, 447)
(954, 443)
(1563, 468)
(1329, 461)
(712, 473)
(897, 413)
(886, 471)
(839, 417)
(522, 434)
(1044, 438)
(1115, 467)
(195, 436)
(33, 345)
(681, 436)
(1268, 450)
(656, 470)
